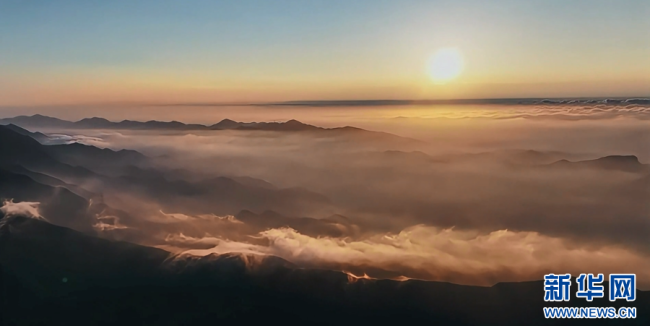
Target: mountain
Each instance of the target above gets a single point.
(49, 181)
(99, 170)
(32, 172)
(77, 154)
(60, 205)
(40, 137)
(253, 182)
(40, 121)
(58, 252)
(512, 157)
(372, 139)
(16, 147)
(626, 163)
(22, 150)
(101, 123)
(92, 123)
(225, 124)
(291, 125)
(71, 278)
(220, 195)
(37, 121)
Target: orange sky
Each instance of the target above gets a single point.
(75, 52)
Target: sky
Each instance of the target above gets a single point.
(165, 51)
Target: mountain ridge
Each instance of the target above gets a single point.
(625, 163)
(289, 126)
(95, 275)
(38, 120)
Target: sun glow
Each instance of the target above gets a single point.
(445, 65)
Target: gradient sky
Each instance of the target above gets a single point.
(88, 51)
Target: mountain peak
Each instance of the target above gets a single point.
(627, 163)
(225, 124)
(620, 158)
(43, 117)
(94, 119)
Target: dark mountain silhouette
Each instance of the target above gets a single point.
(101, 123)
(225, 124)
(513, 159)
(50, 181)
(94, 123)
(21, 150)
(40, 137)
(60, 205)
(72, 164)
(62, 252)
(291, 125)
(71, 278)
(17, 147)
(528, 157)
(65, 161)
(77, 154)
(372, 139)
(510, 157)
(72, 154)
(253, 182)
(220, 195)
(626, 163)
(39, 121)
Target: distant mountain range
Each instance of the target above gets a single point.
(626, 163)
(41, 121)
(512, 158)
(344, 134)
(30, 171)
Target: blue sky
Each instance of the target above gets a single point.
(317, 49)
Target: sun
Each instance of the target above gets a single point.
(445, 65)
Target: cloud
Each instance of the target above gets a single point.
(401, 204)
(163, 217)
(26, 209)
(109, 223)
(56, 139)
(208, 244)
(435, 254)
(545, 111)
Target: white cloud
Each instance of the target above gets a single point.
(437, 254)
(26, 209)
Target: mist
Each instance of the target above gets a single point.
(485, 196)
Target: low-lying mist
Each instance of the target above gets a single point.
(472, 197)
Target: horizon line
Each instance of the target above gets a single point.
(369, 102)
